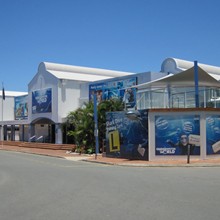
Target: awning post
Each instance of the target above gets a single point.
(196, 80)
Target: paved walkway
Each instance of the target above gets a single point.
(213, 161)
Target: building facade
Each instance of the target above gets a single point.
(57, 89)
(54, 91)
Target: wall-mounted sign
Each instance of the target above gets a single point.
(42, 101)
(213, 134)
(127, 134)
(21, 107)
(173, 134)
(120, 89)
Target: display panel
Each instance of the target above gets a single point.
(21, 107)
(127, 134)
(173, 134)
(120, 89)
(213, 134)
(41, 101)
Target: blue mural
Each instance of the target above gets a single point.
(120, 89)
(173, 135)
(41, 101)
(127, 134)
(213, 134)
(21, 107)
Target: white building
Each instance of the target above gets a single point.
(53, 92)
(7, 115)
(177, 88)
(57, 89)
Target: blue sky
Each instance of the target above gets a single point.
(125, 35)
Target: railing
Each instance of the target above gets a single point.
(40, 139)
(178, 98)
(32, 139)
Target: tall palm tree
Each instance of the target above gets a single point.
(83, 122)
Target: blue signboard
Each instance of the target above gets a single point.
(41, 101)
(127, 134)
(21, 107)
(99, 89)
(173, 135)
(213, 134)
(120, 89)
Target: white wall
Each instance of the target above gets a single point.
(68, 96)
(43, 80)
(84, 93)
(8, 109)
(41, 130)
(65, 96)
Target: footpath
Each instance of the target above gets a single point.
(210, 162)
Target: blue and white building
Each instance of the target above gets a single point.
(57, 89)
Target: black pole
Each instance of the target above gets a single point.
(188, 153)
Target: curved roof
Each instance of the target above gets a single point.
(79, 73)
(13, 93)
(173, 65)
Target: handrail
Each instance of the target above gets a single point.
(40, 139)
(32, 139)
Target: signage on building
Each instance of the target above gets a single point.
(42, 101)
(173, 134)
(127, 134)
(21, 107)
(213, 134)
(120, 89)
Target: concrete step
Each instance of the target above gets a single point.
(40, 145)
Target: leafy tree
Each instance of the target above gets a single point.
(82, 121)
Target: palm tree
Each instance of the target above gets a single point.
(83, 122)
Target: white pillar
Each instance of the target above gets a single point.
(151, 136)
(58, 134)
(203, 148)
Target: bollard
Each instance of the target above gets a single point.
(188, 153)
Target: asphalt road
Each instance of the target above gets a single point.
(44, 188)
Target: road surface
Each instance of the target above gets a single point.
(36, 187)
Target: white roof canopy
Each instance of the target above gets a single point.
(184, 79)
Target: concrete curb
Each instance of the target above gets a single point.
(87, 159)
(154, 165)
(35, 153)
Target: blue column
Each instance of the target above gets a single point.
(96, 126)
(196, 80)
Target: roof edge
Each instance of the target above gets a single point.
(79, 69)
(174, 65)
